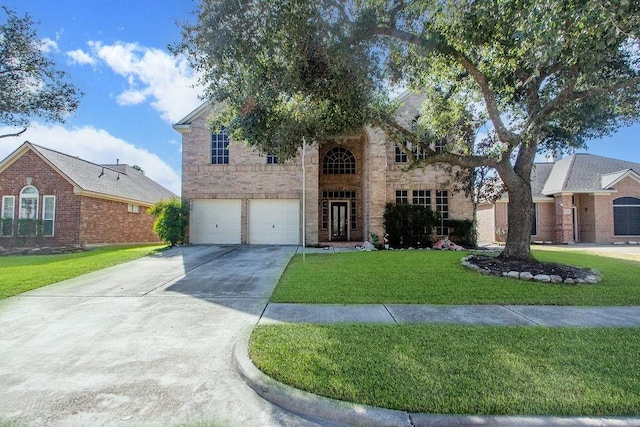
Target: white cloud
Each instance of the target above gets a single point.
(94, 145)
(48, 45)
(80, 57)
(153, 75)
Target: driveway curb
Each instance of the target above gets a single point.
(336, 411)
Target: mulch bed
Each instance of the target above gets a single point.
(497, 266)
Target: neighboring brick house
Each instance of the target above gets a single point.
(238, 196)
(581, 198)
(70, 201)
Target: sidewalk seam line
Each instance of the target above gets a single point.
(393, 318)
(521, 315)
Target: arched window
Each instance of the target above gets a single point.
(339, 160)
(29, 203)
(626, 216)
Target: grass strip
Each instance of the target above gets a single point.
(437, 277)
(450, 369)
(21, 273)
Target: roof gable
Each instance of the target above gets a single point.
(120, 182)
(582, 172)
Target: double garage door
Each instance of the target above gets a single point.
(269, 221)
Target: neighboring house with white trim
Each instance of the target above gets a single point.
(51, 198)
(580, 198)
(238, 196)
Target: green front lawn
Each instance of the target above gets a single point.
(437, 277)
(21, 273)
(449, 369)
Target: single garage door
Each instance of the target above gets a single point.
(274, 221)
(215, 221)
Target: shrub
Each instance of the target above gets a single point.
(462, 233)
(170, 220)
(409, 225)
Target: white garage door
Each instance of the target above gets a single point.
(274, 221)
(215, 221)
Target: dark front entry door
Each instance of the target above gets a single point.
(339, 221)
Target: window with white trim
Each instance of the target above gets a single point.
(442, 207)
(48, 215)
(220, 148)
(8, 215)
(422, 198)
(131, 208)
(626, 216)
(339, 161)
(272, 159)
(401, 197)
(29, 203)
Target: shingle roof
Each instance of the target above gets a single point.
(583, 172)
(115, 181)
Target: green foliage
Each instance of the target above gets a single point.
(171, 218)
(6, 227)
(462, 232)
(409, 225)
(458, 369)
(29, 230)
(29, 83)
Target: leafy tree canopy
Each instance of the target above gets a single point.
(541, 75)
(30, 85)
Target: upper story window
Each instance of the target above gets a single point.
(272, 159)
(401, 156)
(339, 160)
(220, 148)
(29, 203)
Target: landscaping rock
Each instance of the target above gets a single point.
(513, 274)
(569, 281)
(555, 279)
(526, 276)
(544, 278)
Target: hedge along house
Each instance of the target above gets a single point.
(238, 196)
(50, 198)
(581, 198)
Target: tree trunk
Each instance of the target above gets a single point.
(520, 218)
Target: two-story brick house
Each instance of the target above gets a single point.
(238, 196)
(73, 201)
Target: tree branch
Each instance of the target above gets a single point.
(13, 134)
(568, 94)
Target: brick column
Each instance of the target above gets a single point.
(564, 218)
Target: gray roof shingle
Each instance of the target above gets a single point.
(117, 181)
(583, 172)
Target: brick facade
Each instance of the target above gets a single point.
(587, 216)
(365, 193)
(79, 219)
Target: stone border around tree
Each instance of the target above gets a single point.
(592, 278)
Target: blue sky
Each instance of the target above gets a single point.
(116, 52)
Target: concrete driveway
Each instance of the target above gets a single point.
(149, 342)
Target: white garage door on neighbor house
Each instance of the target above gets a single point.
(274, 222)
(215, 221)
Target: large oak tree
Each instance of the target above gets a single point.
(30, 84)
(540, 74)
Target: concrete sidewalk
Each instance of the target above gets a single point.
(497, 315)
